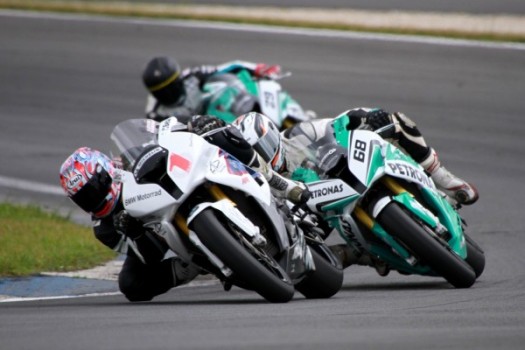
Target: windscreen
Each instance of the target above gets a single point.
(130, 138)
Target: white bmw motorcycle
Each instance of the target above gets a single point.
(218, 214)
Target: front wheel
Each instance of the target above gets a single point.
(261, 278)
(426, 248)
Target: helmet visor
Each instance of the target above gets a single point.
(93, 194)
(170, 93)
(268, 145)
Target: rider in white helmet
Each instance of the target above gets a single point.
(404, 134)
(255, 141)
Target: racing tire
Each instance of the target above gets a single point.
(475, 256)
(245, 266)
(325, 281)
(425, 247)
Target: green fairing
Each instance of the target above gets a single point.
(342, 134)
(448, 218)
(408, 201)
(305, 175)
(220, 105)
(246, 79)
(381, 233)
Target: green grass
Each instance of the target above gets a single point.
(32, 241)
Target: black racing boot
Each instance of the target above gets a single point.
(349, 256)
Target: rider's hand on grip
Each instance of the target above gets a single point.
(201, 124)
(305, 196)
(128, 225)
(299, 196)
(378, 118)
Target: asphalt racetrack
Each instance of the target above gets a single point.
(65, 82)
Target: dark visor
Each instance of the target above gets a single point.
(92, 195)
(171, 93)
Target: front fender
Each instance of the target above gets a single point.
(229, 210)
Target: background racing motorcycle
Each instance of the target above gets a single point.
(383, 204)
(218, 214)
(228, 95)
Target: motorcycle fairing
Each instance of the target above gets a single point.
(135, 196)
(393, 162)
(211, 164)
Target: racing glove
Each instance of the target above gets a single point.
(377, 118)
(201, 124)
(128, 225)
(299, 195)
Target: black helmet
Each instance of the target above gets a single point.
(162, 78)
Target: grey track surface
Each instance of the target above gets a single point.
(64, 84)
(466, 6)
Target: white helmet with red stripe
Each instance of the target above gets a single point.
(260, 132)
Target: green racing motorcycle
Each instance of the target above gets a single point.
(228, 95)
(382, 203)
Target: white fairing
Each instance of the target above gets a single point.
(142, 199)
(269, 99)
(192, 161)
(409, 172)
(328, 191)
(233, 214)
(362, 144)
(360, 153)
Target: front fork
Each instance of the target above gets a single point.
(216, 193)
(363, 217)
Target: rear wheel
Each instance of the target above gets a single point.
(475, 256)
(425, 247)
(264, 277)
(325, 281)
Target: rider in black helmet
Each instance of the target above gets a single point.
(172, 90)
(162, 77)
(178, 92)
